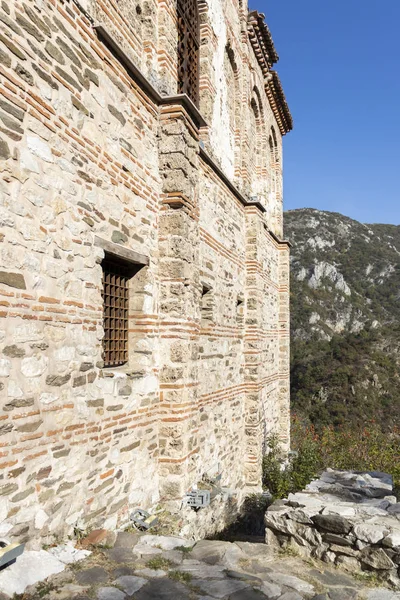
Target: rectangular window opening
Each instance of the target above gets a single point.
(207, 305)
(239, 310)
(115, 293)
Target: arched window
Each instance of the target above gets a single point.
(188, 49)
(273, 160)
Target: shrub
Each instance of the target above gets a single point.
(366, 448)
(281, 476)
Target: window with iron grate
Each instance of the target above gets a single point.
(188, 49)
(116, 277)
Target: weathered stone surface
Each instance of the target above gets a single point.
(12, 47)
(92, 576)
(247, 594)
(376, 558)
(163, 589)
(130, 584)
(392, 540)
(209, 551)
(271, 590)
(372, 534)
(57, 380)
(110, 593)
(293, 582)
(220, 588)
(15, 280)
(201, 570)
(117, 114)
(31, 567)
(24, 74)
(4, 149)
(333, 523)
(90, 156)
(14, 351)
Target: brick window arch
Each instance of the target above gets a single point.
(188, 49)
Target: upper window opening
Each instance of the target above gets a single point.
(116, 276)
(188, 49)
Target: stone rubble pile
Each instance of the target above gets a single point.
(348, 519)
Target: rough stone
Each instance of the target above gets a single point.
(13, 48)
(376, 558)
(220, 588)
(30, 568)
(92, 576)
(333, 523)
(110, 593)
(293, 582)
(130, 584)
(372, 534)
(15, 280)
(163, 589)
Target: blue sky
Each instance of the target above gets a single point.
(340, 68)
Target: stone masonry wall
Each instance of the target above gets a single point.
(90, 163)
(349, 519)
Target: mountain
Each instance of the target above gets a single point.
(345, 318)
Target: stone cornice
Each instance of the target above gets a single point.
(277, 100)
(261, 40)
(266, 54)
(142, 81)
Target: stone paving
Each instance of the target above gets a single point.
(147, 567)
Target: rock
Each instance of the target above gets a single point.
(394, 509)
(126, 540)
(165, 542)
(255, 550)
(248, 594)
(271, 590)
(210, 551)
(4, 149)
(300, 516)
(38, 147)
(151, 573)
(291, 581)
(110, 593)
(130, 584)
(372, 534)
(376, 558)
(68, 554)
(348, 563)
(333, 523)
(336, 539)
(343, 550)
(392, 540)
(343, 594)
(92, 576)
(331, 578)
(252, 579)
(381, 594)
(221, 587)
(15, 280)
(124, 555)
(30, 568)
(201, 570)
(163, 589)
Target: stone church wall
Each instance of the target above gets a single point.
(98, 160)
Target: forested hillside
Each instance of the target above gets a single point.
(345, 303)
